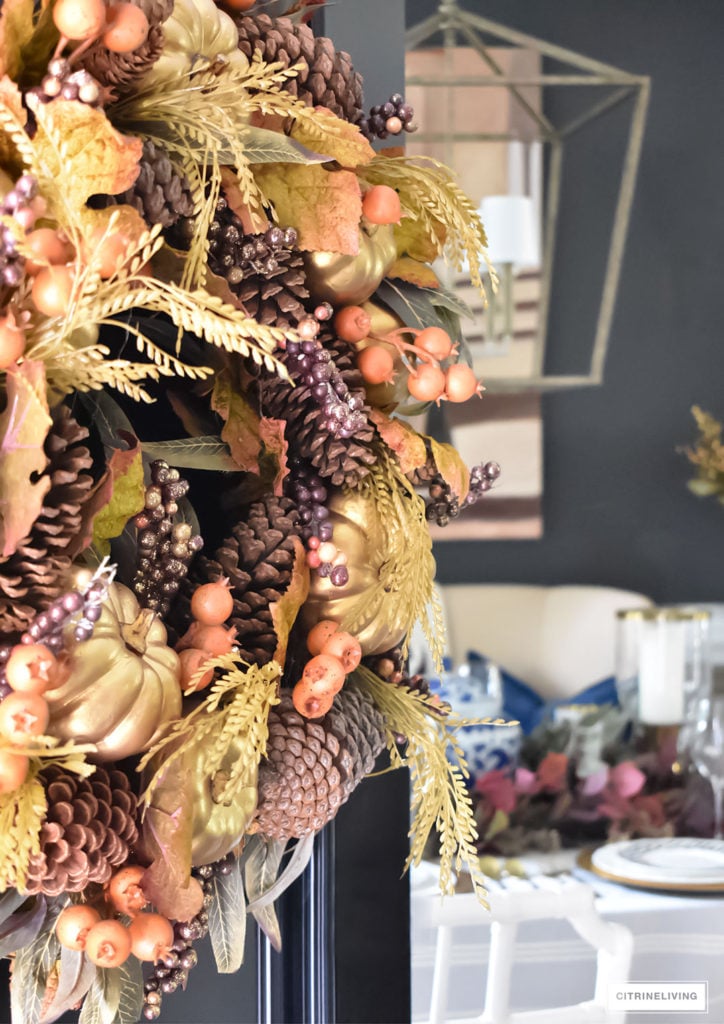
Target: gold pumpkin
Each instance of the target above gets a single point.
(350, 280)
(358, 531)
(123, 686)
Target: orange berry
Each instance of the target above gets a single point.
(23, 715)
(426, 383)
(324, 673)
(108, 944)
(13, 770)
(239, 5)
(212, 604)
(461, 383)
(124, 890)
(151, 936)
(309, 704)
(126, 28)
(31, 668)
(381, 205)
(214, 640)
(346, 648)
(74, 923)
(376, 365)
(435, 342)
(12, 341)
(319, 634)
(107, 252)
(192, 660)
(47, 247)
(52, 289)
(352, 323)
(79, 19)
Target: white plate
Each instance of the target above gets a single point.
(677, 863)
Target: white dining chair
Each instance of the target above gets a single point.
(538, 898)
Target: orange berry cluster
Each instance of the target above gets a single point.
(206, 637)
(427, 380)
(24, 713)
(121, 27)
(335, 654)
(107, 941)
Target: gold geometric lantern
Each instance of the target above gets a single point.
(549, 142)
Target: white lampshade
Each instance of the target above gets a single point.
(512, 228)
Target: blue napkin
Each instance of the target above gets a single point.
(520, 701)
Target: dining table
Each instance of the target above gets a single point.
(677, 937)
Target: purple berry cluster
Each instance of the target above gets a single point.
(82, 607)
(19, 203)
(233, 254)
(444, 505)
(172, 972)
(387, 119)
(165, 547)
(60, 81)
(306, 489)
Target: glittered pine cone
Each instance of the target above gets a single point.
(336, 459)
(326, 77)
(90, 829)
(312, 767)
(120, 71)
(264, 271)
(257, 559)
(34, 575)
(160, 193)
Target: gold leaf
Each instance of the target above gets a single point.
(405, 442)
(323, 206)
(16, 28)
(339, 140)
(284, 611)
(24, 425)
(414, 271)
(451, 467)
(79, 151)
(241, 429)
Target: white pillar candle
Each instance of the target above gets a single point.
(662, 658)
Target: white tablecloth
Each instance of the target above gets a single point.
(676, 938)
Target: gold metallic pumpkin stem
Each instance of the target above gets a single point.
(135, 633)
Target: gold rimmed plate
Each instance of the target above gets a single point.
(666, 864)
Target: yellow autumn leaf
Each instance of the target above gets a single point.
(323, 132)
(241, 429)
(12, 124)
(402, 439)
(127, 494)
(80, 153)
(451, 468)
(323, 206)
(414, 271)
(16, 28)
(413, 240)
(284, 611)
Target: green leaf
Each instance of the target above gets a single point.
(130, 1004)
(301, 855)
(100, 1005)
(260, 873)
(208, 452)
(227, 920)
(21, 928)
(75, 978)
(262, 146)
(420, 307)
(32, 966)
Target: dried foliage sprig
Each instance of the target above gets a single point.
(708, 456)
(237, 705)
(439, 208)
(403, 591)
(440, 799)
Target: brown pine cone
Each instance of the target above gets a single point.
(120, 71)
(264, 270)
(90, 828)
(312, 767)
(258, 559)
(34, 575)
(337, 459)
(160, 193)
(326, 78)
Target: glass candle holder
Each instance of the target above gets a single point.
(662, 671)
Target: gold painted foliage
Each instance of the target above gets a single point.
(707, 455)
(441, 220)
(237, 705)
(440, 799)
